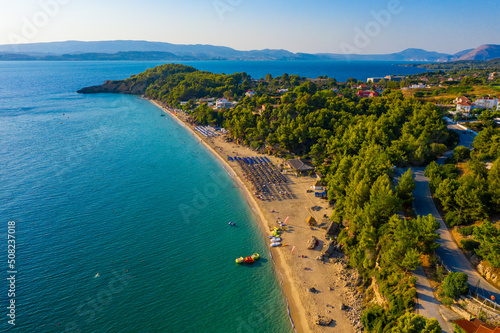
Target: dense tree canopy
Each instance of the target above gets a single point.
(354, 142)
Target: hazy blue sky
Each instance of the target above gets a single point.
(296, 25)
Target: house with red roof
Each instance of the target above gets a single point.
(367, 94)
(476, 326)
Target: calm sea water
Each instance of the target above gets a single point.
(340, 70)
(121, 215)
(105, 184)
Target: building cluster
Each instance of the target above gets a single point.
(366, 92)
(223, 103)
(396, 78)
(465, 105)
(493, 76)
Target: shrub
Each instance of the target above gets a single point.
(451, 218)
(374, 319)
(466, 231)
(447, 301)
(455, 285)
(469, 244)
(461, 153)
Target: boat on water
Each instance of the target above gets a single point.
(249, 260)
(232, 224)
(255, 256)
(240, 260)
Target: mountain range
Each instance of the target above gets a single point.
(144, 50)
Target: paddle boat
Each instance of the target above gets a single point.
(240, 260)
(275, 244)
(255, 256)
(249, 260)
(232, 224)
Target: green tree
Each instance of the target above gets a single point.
(412, 259)
(445, 193)
(494, 184)
(383, 202)
(461, 153)
(414, 323)
(470, 197)
(489, 238)
(455, 285)
(374, 319)
(405, 188)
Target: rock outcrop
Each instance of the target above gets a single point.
(312, 243)
(491, 274)
(323, 321)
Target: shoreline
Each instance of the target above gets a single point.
(303, 306)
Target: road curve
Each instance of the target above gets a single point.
(448, 250)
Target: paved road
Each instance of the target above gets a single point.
(427, 305)
(466, 138)
(448, 251)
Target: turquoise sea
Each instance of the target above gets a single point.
(121, 215)
(105, 184)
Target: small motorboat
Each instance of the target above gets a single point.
(276, 239)
(249, 260)
(240, 260)
(232, 224)
(275, 244)
(255, 256)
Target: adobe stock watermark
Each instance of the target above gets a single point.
(258, 316)
(223, 6)
(372, 29)
(40, 19)
(93, 141)
(202, 198)
(88, 310)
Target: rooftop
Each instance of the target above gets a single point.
(301, 165)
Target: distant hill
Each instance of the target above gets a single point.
(406, 55)
(484, 52)
(461, 53)
(131, 55)
(144, 50)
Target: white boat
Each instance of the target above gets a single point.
(275, 244)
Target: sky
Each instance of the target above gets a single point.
(310, 26)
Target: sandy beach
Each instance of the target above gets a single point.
(335, 294)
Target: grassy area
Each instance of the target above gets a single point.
(451, 93)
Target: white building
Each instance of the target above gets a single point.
(464, 107)
(486, 103)
(224, 103)
(250, 93)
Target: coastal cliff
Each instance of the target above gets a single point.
(121, 86)
(168, 74)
